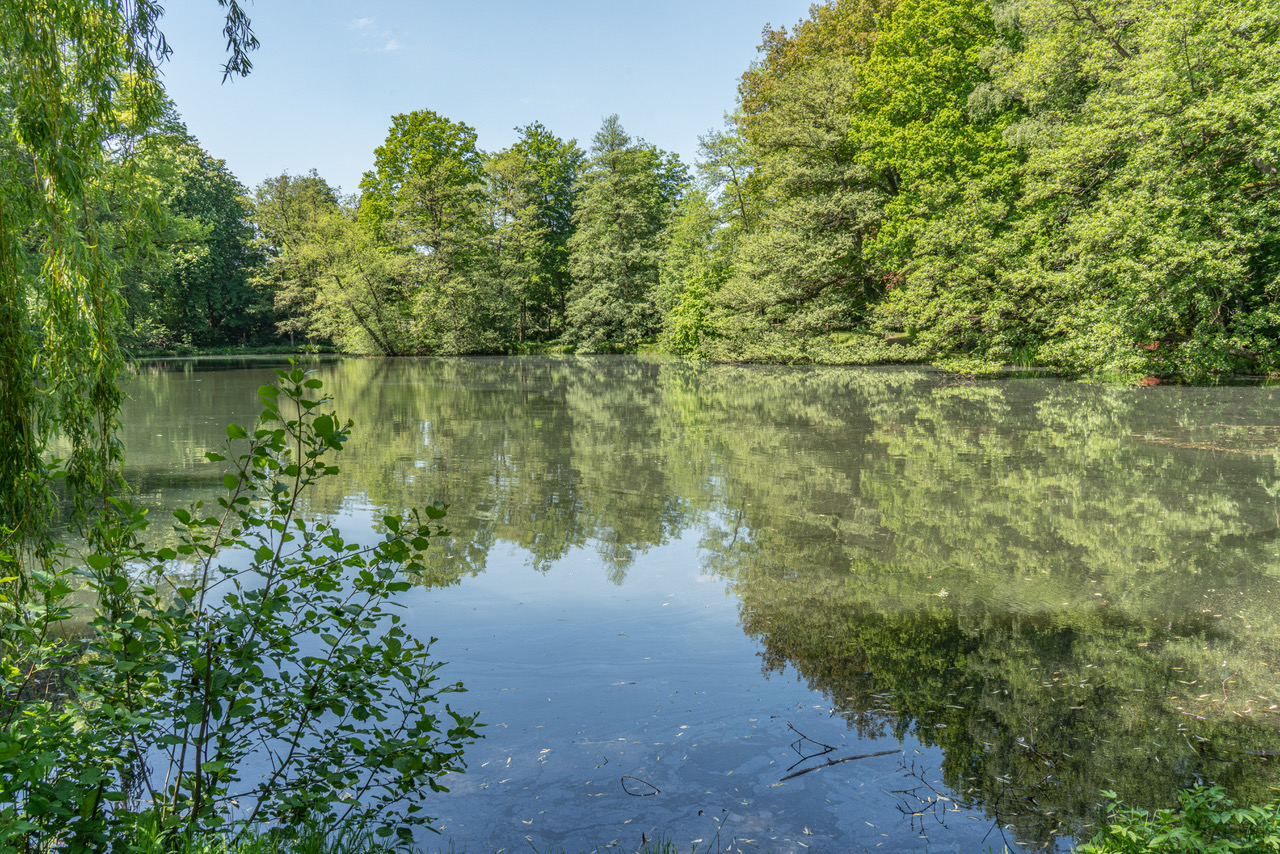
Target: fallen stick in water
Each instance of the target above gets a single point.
(831, 762)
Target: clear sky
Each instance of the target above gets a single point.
(330, 74)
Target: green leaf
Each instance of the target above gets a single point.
(193, 714)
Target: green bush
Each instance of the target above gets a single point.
(253, 674)
(1208, 823)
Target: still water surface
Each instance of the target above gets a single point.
(669, 586)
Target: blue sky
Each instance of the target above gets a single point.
(330, 74)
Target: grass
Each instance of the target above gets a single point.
(310, 839)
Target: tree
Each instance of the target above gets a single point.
(557, 166)
(427, 167)
(800, 273)
(805, 203)
(694, 267)
(728, 167)
(628, 193)
(517, 258)
(703, 239)
(422, 205)
(843, 29)
(66, 65)
(1151, 231)
(193, 285)
(331, 281)
(928, 119)
(287, 211)
(167, 669)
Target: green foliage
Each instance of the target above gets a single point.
(68, 65)
(291, 213)
(330, 280)
(709, 224)
(628, 193)
(952, 175)
(509, 294)
(446, 251)
(798, 268)
(556, 165)
(186, 278)
(429, 149)
(1092, 188)
(58, 306)
(251, 672)
(692, 270)
(1151, 197)
(309, 838)
(1207, 822)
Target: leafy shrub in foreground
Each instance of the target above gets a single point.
(253, 674)
(1208, 823)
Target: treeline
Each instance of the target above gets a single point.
(1088, 186)
(446, 249)
(450, 250)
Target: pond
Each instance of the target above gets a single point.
(670, 586)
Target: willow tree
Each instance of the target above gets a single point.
(68, 69)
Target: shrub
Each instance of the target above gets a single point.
(1208, 822)
(254, 673)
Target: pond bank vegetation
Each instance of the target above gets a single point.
(1093, 190)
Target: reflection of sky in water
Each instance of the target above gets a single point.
(583, 682)
(658, 570)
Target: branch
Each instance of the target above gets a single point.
(831, 762)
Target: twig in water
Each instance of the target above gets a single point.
(931, 802)
(626, 777)
(831, 762)
(804, 737)
(798, 744)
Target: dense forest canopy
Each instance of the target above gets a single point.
(1090, 187)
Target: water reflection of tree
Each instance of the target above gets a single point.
(549, 455)
(1025, 574)
(1012, 572)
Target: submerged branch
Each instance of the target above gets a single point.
(831, 762)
